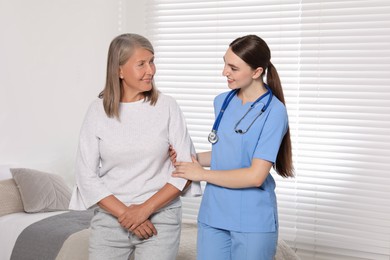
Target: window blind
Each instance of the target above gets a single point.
(333, 58)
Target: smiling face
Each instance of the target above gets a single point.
(239, 74)
(137, 75)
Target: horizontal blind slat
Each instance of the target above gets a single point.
(333, 58)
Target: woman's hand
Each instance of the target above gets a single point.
(134, 216)
(145, 230)
(190, 171)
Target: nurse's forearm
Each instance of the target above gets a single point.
(253, 176)
(204, 158)
(234, 179)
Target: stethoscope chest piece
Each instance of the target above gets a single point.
(213, 137)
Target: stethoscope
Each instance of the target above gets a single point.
(213, 137)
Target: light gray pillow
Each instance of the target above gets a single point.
(41, 191)
(10, 201)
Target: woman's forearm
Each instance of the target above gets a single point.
(136, 214)
(112, 205)
(153, 204)
(163, 197)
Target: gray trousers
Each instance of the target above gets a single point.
(108, 240)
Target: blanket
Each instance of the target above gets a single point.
(44, 239)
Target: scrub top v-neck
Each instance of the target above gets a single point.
(248, 209)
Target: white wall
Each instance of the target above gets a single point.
(52, 65)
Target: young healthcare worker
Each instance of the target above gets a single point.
(123, 167)
(238, 216)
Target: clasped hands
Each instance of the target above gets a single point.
(136, 220)
(136, 216)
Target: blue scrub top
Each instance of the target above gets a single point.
(248, 209)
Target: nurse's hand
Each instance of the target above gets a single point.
(189, 170)
(172, 154)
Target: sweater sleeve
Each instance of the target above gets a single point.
(89, 187)
(180, 139)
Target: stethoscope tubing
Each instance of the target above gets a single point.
(225, 104)
(213, 137)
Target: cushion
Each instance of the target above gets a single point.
(41, 191)
(10, 200)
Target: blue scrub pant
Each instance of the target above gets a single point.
(220, 244)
